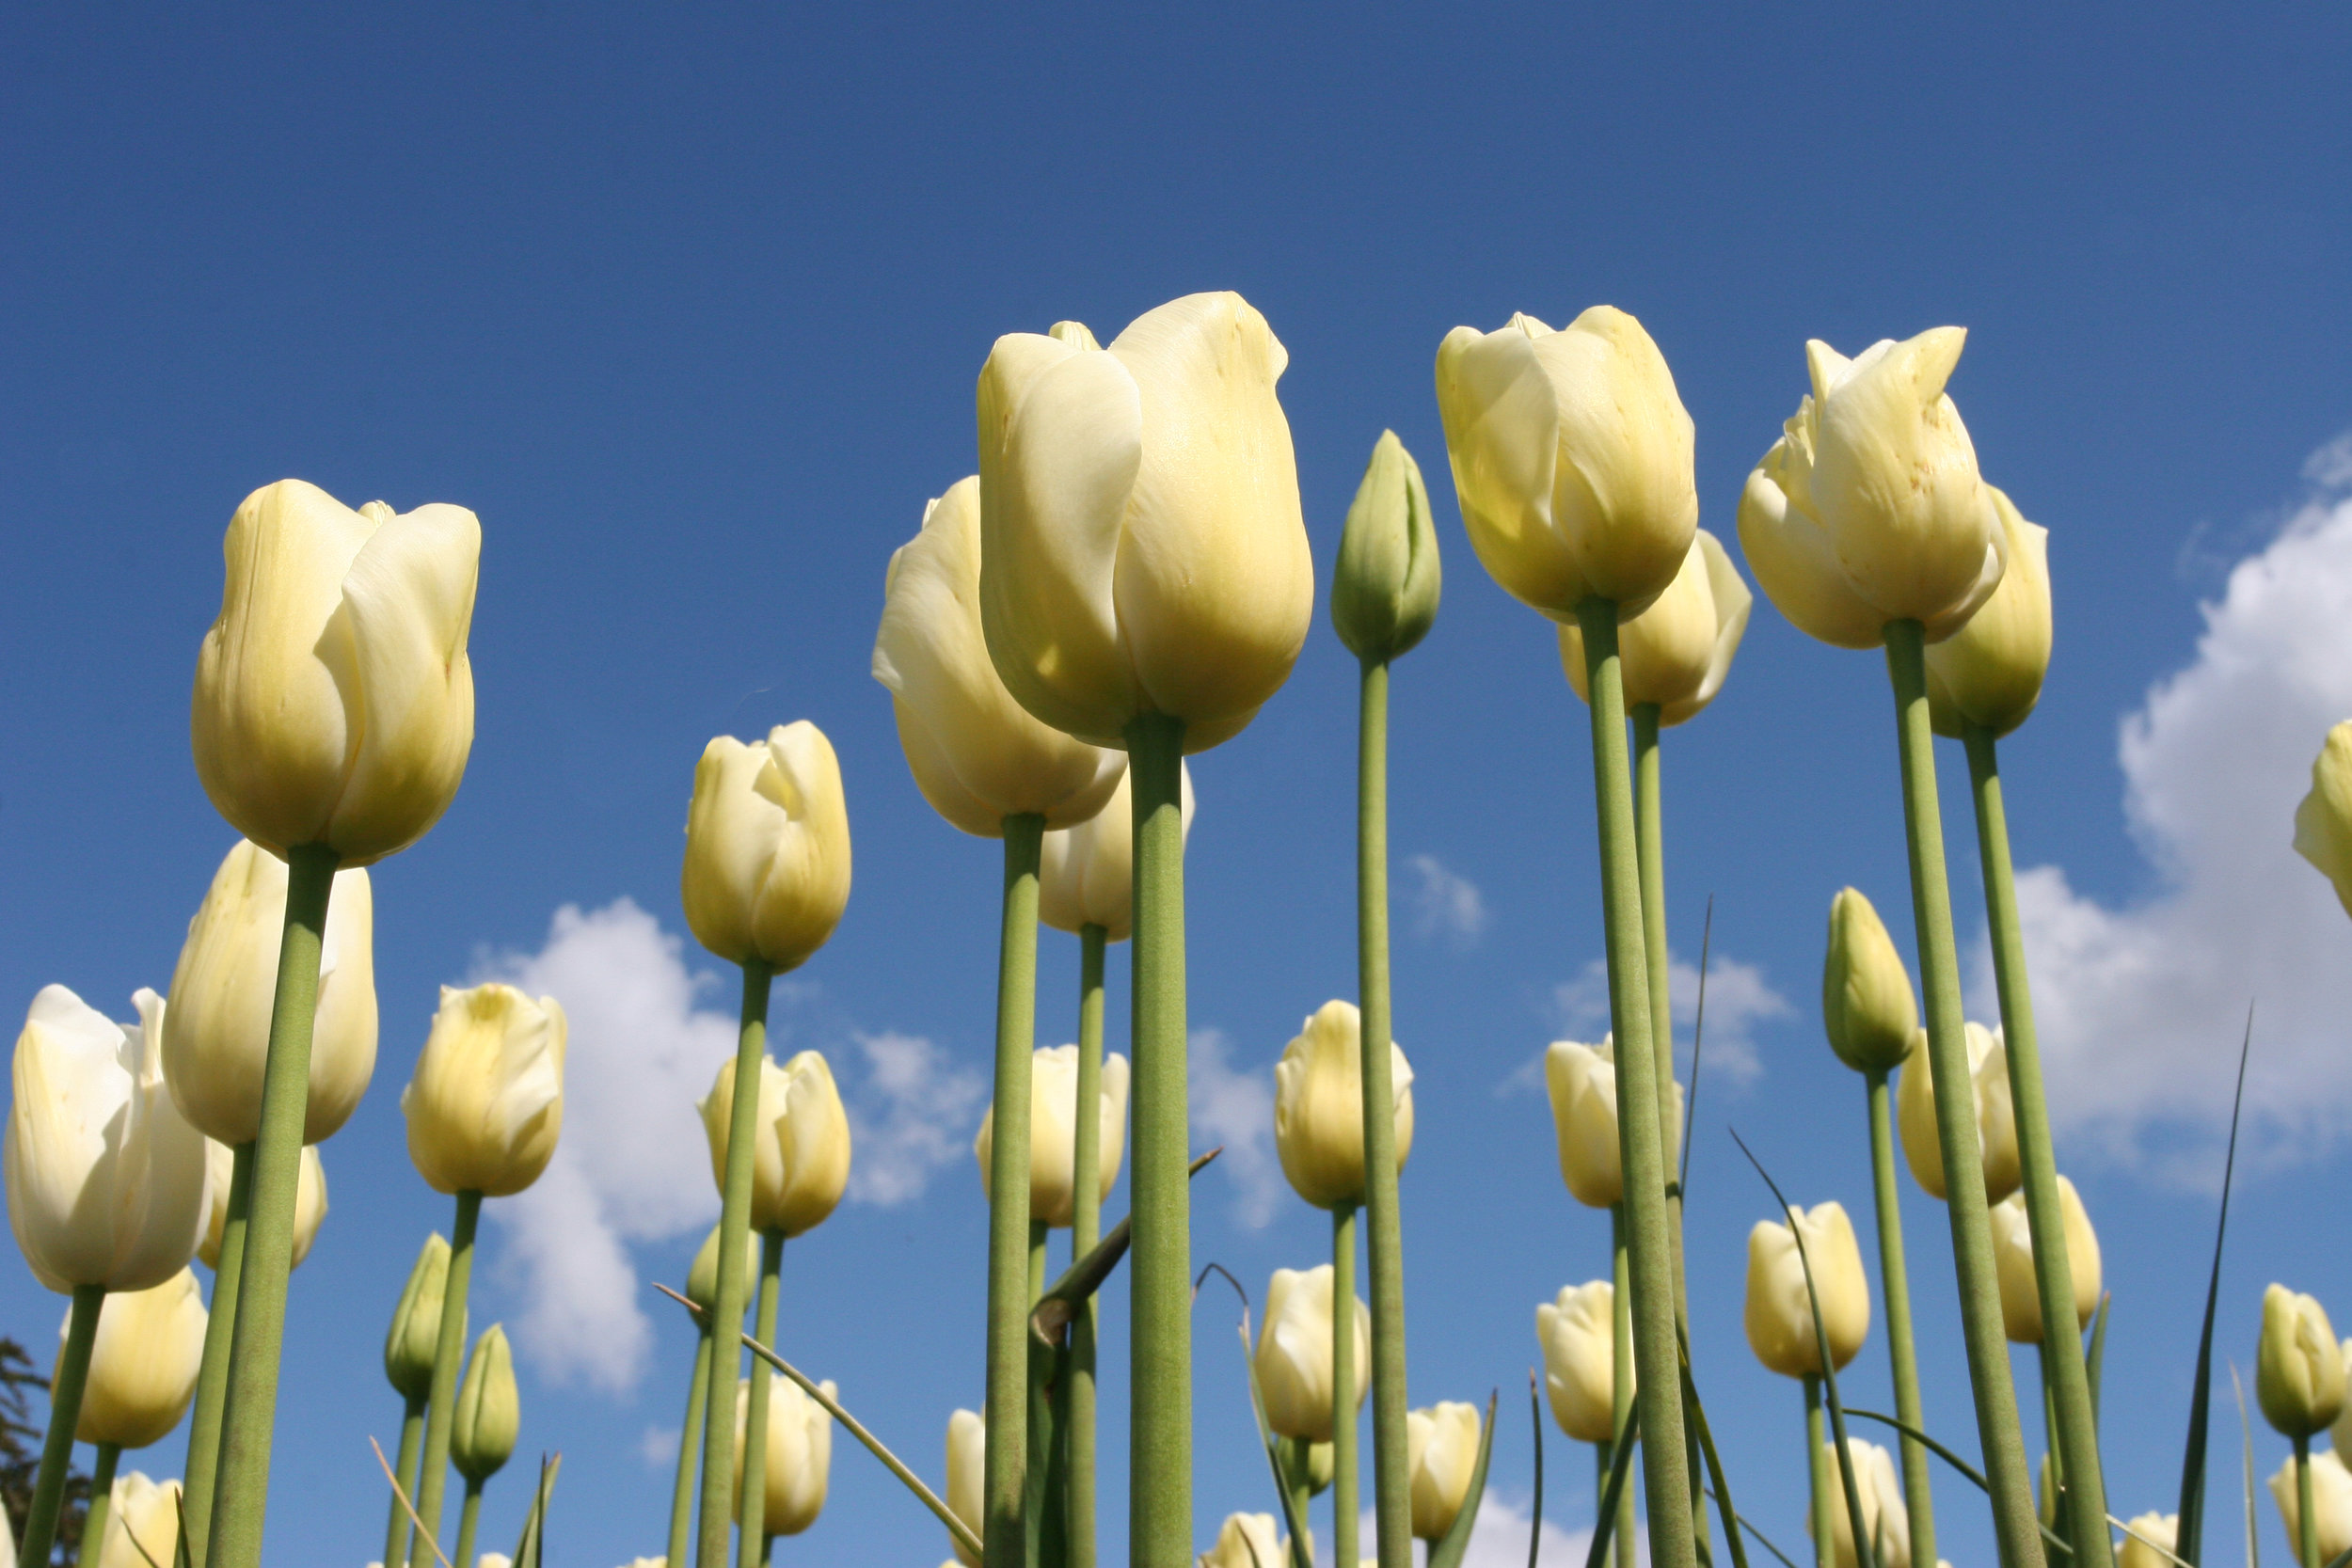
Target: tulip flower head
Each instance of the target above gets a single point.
(1053, 1132)
(1442, 1444)
(1582, 1082)
(1579, 1339)
(1247, 1540)
(143, 1512)
(701, 1279)
(2298, 1365)
(2331, 1502)
(334, 700)
(1868, 1004)
(488, 1416)
(2322, 823)
(105, 1177)
(1384, 594)
(1677, 652)
(766, 871)
(486, 1102)
(1318, 1107)
(2150, 1539)
(1996, 1116)
(1086, 873)
(216, 1031)
(1780, 1312)
(143, 1364)
(802, 1163)
(1142, 549)
(1293, 1356)
(2013, 1264)
(310, 1201)
(967, 1463)
(799, 1451)
(1883, 1515)
(1989, 672)
(415, 1335)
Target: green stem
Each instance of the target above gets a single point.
(689, 1443)
(1817, 1479)
(1159, 1450)
(2307, 1522)
(1649, 849)
(241, 1485)
(449, 1354)
(211, 1378)
(1044, 1495)
(731, 1293)
(1086, 1229)
(1658, 1384)
(1343, 1391)
(2017, 1528)
(64, 1414)
(2046, 1217)
(102, 1498)
(469, 1514)
(1620, 1370)
(751, 1503)
(1895, 1285)
(403, 1474)
(1003, 1528)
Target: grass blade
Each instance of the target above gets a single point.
(1535, 1528)
(1620, 1466)
(1721, 1487)
(2192, 1509)
(1446, 1551)
(1762, 1539)
(1698, 1035)
(2253, 1549)
(2097, 1354)
(1974, 1477)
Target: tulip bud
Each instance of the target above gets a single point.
(143, 1512)
(1442, 1442)
(701, 1280)
(1578, 1336)
(415, 1333)
(2150, 1541)
(799, 1451)
(1142, 547)
(1989, 672)
(1677, 652)
(1319, 1107)
(1053, 1132)
(1883, 1515)
(105, 1177)
(143, 1364)
(216, 1031)
(310, 1201)
(1086, 873)
(1308, 1465)
(800, 1165)
(1582, 1081)
(2322, 823)
(1247, 1540)
(488, 1415)
(1293, 1357)
(2331, 1503)
(1997, 1118)
(1867, 1002)
(767, 870)
(1384, 595)
(2298, 1365)
(967, 1461)
(1780, 1312)
(487, 1100)
(2013, 1264)
(334, 701)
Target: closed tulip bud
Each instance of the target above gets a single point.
(1143, 550)
(1294, 1353)
(1384, 595)
(1578, 1336)
(1582, 1082)
(701, 1280)
(1780, 1312)
(2322, 823)
(1870, 509)
(967, 1463)
(800, 1163)
(1442, 1443)
(1086, 873)
(1308, 1465)
(143, 1364)
(1884, 1518)
(1677, 652)
(2149, 1542)
(487, 1099)
(1997, 1115)
(2013, 1264)
(415, 1333)
(1247, 1540)
(1573, 459)
(142, 1523)
(2298, 1365)
(767, 847)
(334, 701)
(2340, 1432)
(105, 1177)
(1053, 1132)
(1319, 1107)
(978, 756)
(310, 1201)
(217, 1033)
(799, 1451)
(488, 1416)
(2331, 1503)
(1989, 672)
(1868, 1004)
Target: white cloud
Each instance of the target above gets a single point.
(1446, 903)
(1497, 1538)
(658, 1447)
(1737, 999)
(1235, 1107)
(916, 1118)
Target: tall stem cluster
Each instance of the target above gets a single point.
(1003, 1526)
(732, 1290)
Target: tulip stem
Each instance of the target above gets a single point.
(1620, 1371)
(2306, 1520)
(1003, 1527)
(751, 1503)
(403, 1478)
(2016, 1526)
(1895, 1287)
(690, 1444)
(731, 1291)
(449, 1354)
(1046, 1497)
(64, 1414)
(1344, 1394)
(211, 1378)
(1159, 1450)
(2045, 1216)
(469, 1515)
(1086, 1229)
(249, 1406)
(102, 1498)
(1817, 1479)
(1658, 1372)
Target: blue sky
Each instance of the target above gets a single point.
(688, 307)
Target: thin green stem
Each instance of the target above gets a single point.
(731, 1292)
(2306, 1520)
(751, 1504)
(211, 1378)
(469, 1515)
(1620, 1368)
(449, 1354)
(1159, 1451)
(1003, 1527)
(1817, 1458)
(1086, 1229)
(1044, 1496)
(64, 1414)
(1895, 1287)
(690, 1444)
(1344, 1394)
(102, 1500)
(397, 1531)
(2045, 1219)
(241, 1485)
(1658, 1384)
(1649, 849)
(2017, 1528)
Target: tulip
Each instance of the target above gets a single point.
(978, 756)
(1996, 1118)
(2331, 1503)
(1086, 873)
(767, 847)
(2149, 1540)
(143, 1364)
(2322, 823)
(1582, 1081)
(1294, 1353)
(1988, 674)
(2298, 1365)
(1677, 652)
(701, 1279)
(142, 1523)
(1384, 593)
(1884, 1516)
(1868, 1004)
(1318, 1107)
(1779, 1316)
(1578, 1337)
(1053, 1132)
(1443, 1441)
(799, 1452)
(486, 1102)
(410, 1347)
(802, 1154)
(967, 1455)
(489, 1413)
(1247, 1540)
(309, 1202)
(2012, 1256)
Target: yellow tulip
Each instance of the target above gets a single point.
(143, 1364)
(1053, 1132)
(1086, 873)
(2322, 823)
(1678, 652)
(486, 1102)
(1582, 1083)
(1442, 1443)
(2331, 1503)
(1989, 672)
(967, 1463)
(1319, 1106)
(142, 1511)
(1579, 1339)
(799, 1451)
(1996, 1116)
(1294, 1353)
(2149, 1540)
(2013, 1264)
(1384, 593)
(767, 847)
(802, 1163)
(1779, 1316)
(1884, 1516)
(309, 1202)
(2298, 1365)
(1868, 1004)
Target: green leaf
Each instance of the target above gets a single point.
(1714, 1460)
(1620, 1466)
(2097, 1354)
(1049, 1320)
(2050, 1538)
(2192, 1507)
(1535, 1522)
(527, 1550)
(1446, 1552)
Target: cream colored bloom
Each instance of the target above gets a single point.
(105, 1177)
(488, 1416)
(2148, 1541)
(310, 1201)
(1384, 592)
(767, 847)
(2322, 823)
(1779, 1312)
(2013, 1264)
(1989, 672)
(1086, 873)
(1142, 547)
(978, 756)
(334, 701)
(1678, 652)
(216, 1034)
(1868, 1004)
(2331, 1502)
(1247, 1540)
(415, 1335)
(1884, 1516)
(1869, 508)
(1442, 1442)
(1294, 1353)
(486, 1102)
(800, 1167)
(1577, 1333)
(143, 1364)
(799, 1451)
(2298, 1365)
(1572, 458)
(146, 1512)
(1319, 1106)
(967, 1464)
(1053, 1132)
(1996, 1116)
(1582, 1083)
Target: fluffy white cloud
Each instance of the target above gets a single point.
(1445, 903)
(1234, 1106)
(1737, 999)
(1498, 1539)
(917, 1117)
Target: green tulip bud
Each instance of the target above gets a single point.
(1867, 1002)
(488, 1415)
(1306, 1464)
(416, 1331)
(2298, 1367)
(701, 1280)
(1384, 594)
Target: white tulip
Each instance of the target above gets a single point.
(144, 1511)
(767, 870)
(967, 1466)
(1677, 652)
(2014, 1269)
(486, 1103)
(1053, 1132)
(310, 1201)
(1086, 873)
(1583, 1083)
(799, 1451)
(1996, 1115)
(143, 1364)
(1319, 1106)
(2331, 1503)
(1577, 1333)
(1779, 1316)
(801, 1164)
(1294, 1353)
(1442, 1442)
(1884, 1516)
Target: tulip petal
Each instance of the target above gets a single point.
(1501, 414)
(1625, 495)
(1796, 566)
